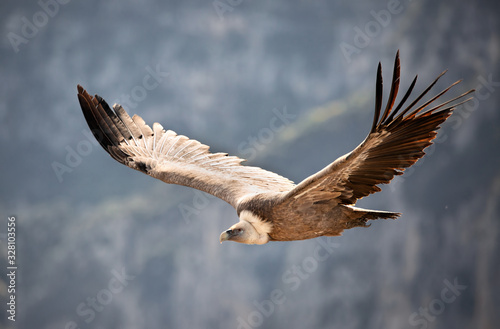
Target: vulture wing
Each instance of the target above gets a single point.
(396, 141)
(173, 158)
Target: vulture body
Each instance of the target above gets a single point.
(271, 207)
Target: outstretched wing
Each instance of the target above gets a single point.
(396, 141)
(173, 158)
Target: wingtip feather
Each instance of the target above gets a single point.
(378, 97)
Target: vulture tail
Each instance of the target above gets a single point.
(360, 216)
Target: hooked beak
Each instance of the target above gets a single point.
(226, 235)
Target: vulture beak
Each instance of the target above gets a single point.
(226, 235)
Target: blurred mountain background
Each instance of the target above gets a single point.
(290, 86)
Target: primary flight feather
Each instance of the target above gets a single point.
(271, 207)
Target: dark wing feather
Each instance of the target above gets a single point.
(174, 158)
(396, 141)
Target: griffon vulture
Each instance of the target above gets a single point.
(271, 207)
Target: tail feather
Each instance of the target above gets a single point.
(378, 214)
(359, 217)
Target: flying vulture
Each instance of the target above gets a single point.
(271, 207)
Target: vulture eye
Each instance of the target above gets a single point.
(238, 230)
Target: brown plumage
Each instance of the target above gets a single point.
(271, 207)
